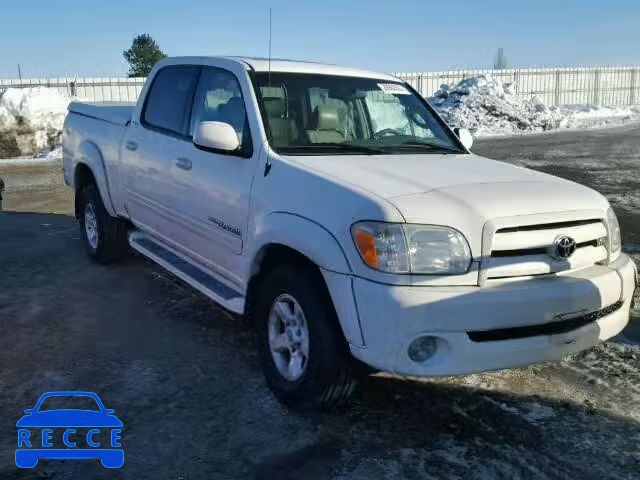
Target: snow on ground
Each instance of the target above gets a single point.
(488, 107)
(50, 155)
(46, 155)
(31, 120)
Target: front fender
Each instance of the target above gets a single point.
(303, 235)
(321, 247)
(90, 155)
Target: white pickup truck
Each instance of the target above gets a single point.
(337, 210)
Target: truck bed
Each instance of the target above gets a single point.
(118, 113)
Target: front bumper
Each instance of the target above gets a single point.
(392, 317)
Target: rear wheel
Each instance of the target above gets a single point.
(303, 352)
(104, 237)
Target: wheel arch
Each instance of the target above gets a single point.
(288, 238)
(302, 235)
(90, 169)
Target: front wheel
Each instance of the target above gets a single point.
(303, 352)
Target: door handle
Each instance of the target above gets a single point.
(133, 146)
(183, 163)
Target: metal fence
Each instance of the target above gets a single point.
(115, 89)
(605, 86)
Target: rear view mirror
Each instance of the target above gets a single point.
(217, 136)
(465, 137)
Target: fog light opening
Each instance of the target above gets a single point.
(423, 348)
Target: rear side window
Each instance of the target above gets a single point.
(169, 99)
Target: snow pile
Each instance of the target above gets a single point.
(583, 116)
(31, 120)
(38, 108)
(488, 107)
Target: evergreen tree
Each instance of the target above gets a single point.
(143, 54)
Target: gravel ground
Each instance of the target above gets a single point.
(182, 376)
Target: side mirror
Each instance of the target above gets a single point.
(216, 136)
(465, 137)
(109, 411)
(29, 411)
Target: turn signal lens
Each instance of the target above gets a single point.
(382, 246)
(366, 243)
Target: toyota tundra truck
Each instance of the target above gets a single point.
(335, 208)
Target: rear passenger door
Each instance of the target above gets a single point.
(152, 148)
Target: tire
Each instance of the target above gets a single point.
(106, 238)
(328, 376)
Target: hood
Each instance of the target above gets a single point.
(487, 201)
(469, 207)
(397, 175)
(463, 191)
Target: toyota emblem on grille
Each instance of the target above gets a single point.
(563, 247)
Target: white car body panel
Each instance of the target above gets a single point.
(118, 113)
(393, 316)
(221, 213)
(381, 174)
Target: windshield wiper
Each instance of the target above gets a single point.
(335, 146)
(429, 145)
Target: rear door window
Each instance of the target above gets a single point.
(169, 99)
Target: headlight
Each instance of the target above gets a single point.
(416, 249)
(615, 239)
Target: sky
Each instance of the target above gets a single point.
(86, 38)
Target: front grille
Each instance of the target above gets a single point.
(540, 250)
(524, 250)
(547, 226)
(551, 328)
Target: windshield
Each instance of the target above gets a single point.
(323, 114)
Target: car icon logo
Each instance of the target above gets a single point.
(86, 431)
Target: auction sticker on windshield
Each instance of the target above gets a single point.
(394, 89)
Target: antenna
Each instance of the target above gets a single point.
(269, 46)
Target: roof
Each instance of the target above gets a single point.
(300, 66)
(282, 65)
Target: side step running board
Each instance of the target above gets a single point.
(184, 269)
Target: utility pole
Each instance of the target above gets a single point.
(500, 60)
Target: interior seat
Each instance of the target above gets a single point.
(283, 129)
(324, 123)
(233, 113)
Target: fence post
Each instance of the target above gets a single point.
(556, 93)
(596, 86)
(632, 87)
